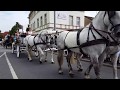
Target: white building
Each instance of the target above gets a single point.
(44, 20)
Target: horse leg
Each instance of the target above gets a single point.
(69, 56)
(114, 59)
(13, 47)
(36, 51)
(100, 60)
(96, 66)
(60, 61)
(41, 54)
(118, 58)
(28, 52)
(5, 44)
(79, 65)
(87, 72)
(46, 56)
(52, 61)
(18, 50)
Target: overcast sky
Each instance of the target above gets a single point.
(9, 18)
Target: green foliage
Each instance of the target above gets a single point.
(15, 28)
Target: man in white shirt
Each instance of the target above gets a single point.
(28, 30)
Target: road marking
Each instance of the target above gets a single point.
(2, 54)
(10, 67)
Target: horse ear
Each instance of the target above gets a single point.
(111, 13)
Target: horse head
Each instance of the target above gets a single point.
(114, 22)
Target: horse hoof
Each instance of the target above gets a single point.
(45, 60)
(52, 62)
(98, 78)
(80, 70)
(40, 62)
(71, 75)
(87, 77)
(116, 77)
(30, 60)
(60, 72)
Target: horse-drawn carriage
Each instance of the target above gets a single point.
(18, 45)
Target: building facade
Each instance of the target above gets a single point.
(65, 20)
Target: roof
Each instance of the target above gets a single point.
(91, 18)
(30, 14)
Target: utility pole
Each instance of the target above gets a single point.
(54, 20)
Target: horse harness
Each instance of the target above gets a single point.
(39, 43)
(104, 40)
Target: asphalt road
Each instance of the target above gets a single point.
(12, 67)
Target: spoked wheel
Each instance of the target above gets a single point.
(18, 51)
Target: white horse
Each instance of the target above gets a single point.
(71, 57)
(113, 51)
(92, 40)
(40, 43)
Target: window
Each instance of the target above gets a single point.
(38, 23)
(70, 20)
(78, 21)
(45, 17)
(41, 20)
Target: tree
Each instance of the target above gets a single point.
(16, 27)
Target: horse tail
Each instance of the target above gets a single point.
(72, 59)
(60, 57)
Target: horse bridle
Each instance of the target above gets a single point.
(113, 26)
(111, 29)
(45, 42)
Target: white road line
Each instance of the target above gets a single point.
(2, 54)
(11, 68)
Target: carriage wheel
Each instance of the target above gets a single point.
(18, 51)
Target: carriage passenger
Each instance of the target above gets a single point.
(16, 36)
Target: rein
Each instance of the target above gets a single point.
(43, 42)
